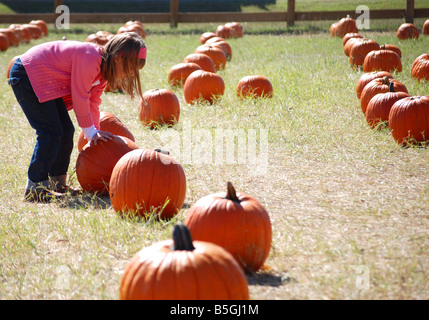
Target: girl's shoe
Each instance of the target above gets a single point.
(42, 195)
(68, 189)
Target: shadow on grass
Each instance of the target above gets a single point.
(269, 278)
(87, 201)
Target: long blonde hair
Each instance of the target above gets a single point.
(126, 46)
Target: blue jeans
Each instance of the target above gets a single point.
(54, 128)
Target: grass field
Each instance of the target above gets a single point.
(349, 207)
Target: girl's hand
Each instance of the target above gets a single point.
(101, 136)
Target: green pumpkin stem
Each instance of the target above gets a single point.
(182, 238)
(231, 194)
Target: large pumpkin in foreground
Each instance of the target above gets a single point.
(145, 181)
(236, 222)
(203, 86)
(182, 269)
(409, 120)
(108, 122)
(95, 162)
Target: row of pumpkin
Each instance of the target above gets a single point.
(22, 33)
(383, 99)
(228, 232)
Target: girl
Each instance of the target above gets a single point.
(54, 77)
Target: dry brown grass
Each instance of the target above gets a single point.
(342, 198)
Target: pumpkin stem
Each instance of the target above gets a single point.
(231, 194)
(386, 80)
(391, 87)
(182, 238)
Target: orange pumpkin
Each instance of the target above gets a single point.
(218, 55)
(368, 77)
(349, 44)
(236, 29)
(147, 180)
(332, 29)
(204, 61)
(11, 35)
(379, 107)
(224, 31)
(182, 269)
(407, 31)
(360, 49)
(4, 42)
(379, 85)
(42, 25)
(180, 72)
(393, 48)
(9, 66)
(159, 107)
(420, 68)
(34, 30)
(382, 60)
(225, 47)
(351, 35)
(95, 163)
(409, 120)
(205, 36)
(425, 28)
(254, 87)
(108, 122)
(346, 25)
(237, 222)
(203, 86)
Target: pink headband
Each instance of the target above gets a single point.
(142, 53)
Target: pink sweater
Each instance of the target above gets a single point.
(59, 69)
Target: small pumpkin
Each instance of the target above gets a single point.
(409, 120)
(183, 269)
(407, 31)
(203, 86)
(254, 86)
(4, 42)
(332, 29)
(379, 107)
(108, 122)
(349, 44)
(224, 31)
(346, 25)
(382, 60)
(205, 36)
(95, 163)
(393, 48)
(351, 35)
(236, 29)
(9, 66)
(223, 44)
(204, 61)
(180, 72)
(420, 68)
(217, 54)
(380, 85)
(425, 28)
(368, 77)
(360, 49)
(35, 31)
(237, 222)
(11, 35)
(159, 107)
(147, 180)
(42, 25)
